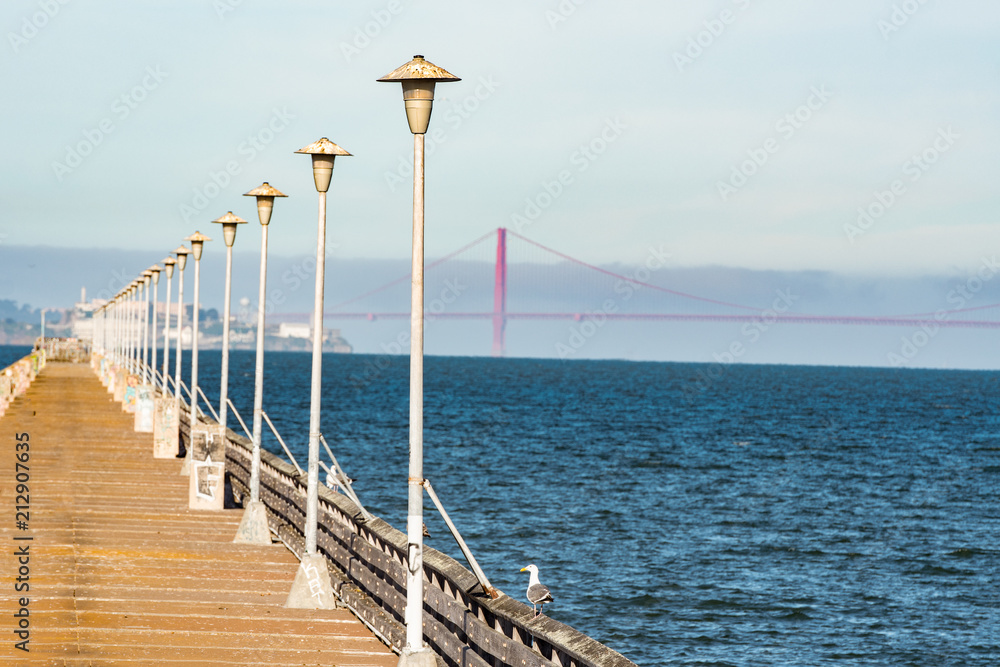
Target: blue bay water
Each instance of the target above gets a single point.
(11, 353)
(774, 515)
(687, 514)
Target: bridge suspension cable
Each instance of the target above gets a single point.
(631, 280)
(433, 264)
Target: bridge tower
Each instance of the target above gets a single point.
(500, 295)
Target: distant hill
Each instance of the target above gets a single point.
(10, 310)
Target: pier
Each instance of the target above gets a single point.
(122, 572)
(116, 569)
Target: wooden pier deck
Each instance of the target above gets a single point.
(121, 572)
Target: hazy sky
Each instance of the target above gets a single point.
(746, 133)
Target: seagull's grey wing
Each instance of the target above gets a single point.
(539, 594)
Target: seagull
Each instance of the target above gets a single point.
(538, 594)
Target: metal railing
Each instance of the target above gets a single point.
(17, 377)
(367, 559)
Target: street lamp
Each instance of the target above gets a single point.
(418, 78)
(155, 271)
(145, 405)
(137, 327)
(131, 348)
(130, 327)
(166, 429)
(253, 527)
(147, 277)
(117, 347)
(113, 337)
(182, 256)
(122, 330)
(197, 242)
(96, 336)
(125, 328)
(113, 334)
(229, 223)
(323, 153)
(168, 266)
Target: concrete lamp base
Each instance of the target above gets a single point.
(253, 527)
(165, 434)
(311, 588)
(423, 657)
(206, 465)
(145, 408)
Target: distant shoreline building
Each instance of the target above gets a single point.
(288, 336)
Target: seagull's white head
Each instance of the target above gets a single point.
(530, 568)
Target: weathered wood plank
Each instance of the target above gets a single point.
(122, 573)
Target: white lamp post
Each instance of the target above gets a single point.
(229, 223)
(145, 404)
(131, 327)
(166, 408)
(113, 331)
(120, 329)
(137, 297)
(123, 329)
(323, 153)
(147, 277)
(182, 255)
(418, 78)
(253, 527)
(96, 336)
(155, 271)
(120, 335)
(197, 243)
(168, 266)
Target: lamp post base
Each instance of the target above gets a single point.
(423, 657)
(311, 588)
(253, 527)
(165, 433)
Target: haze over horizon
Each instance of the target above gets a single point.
(466, 285)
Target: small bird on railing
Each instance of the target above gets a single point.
(537, 594)
(333, 483)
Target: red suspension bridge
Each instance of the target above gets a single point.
(542, 276)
